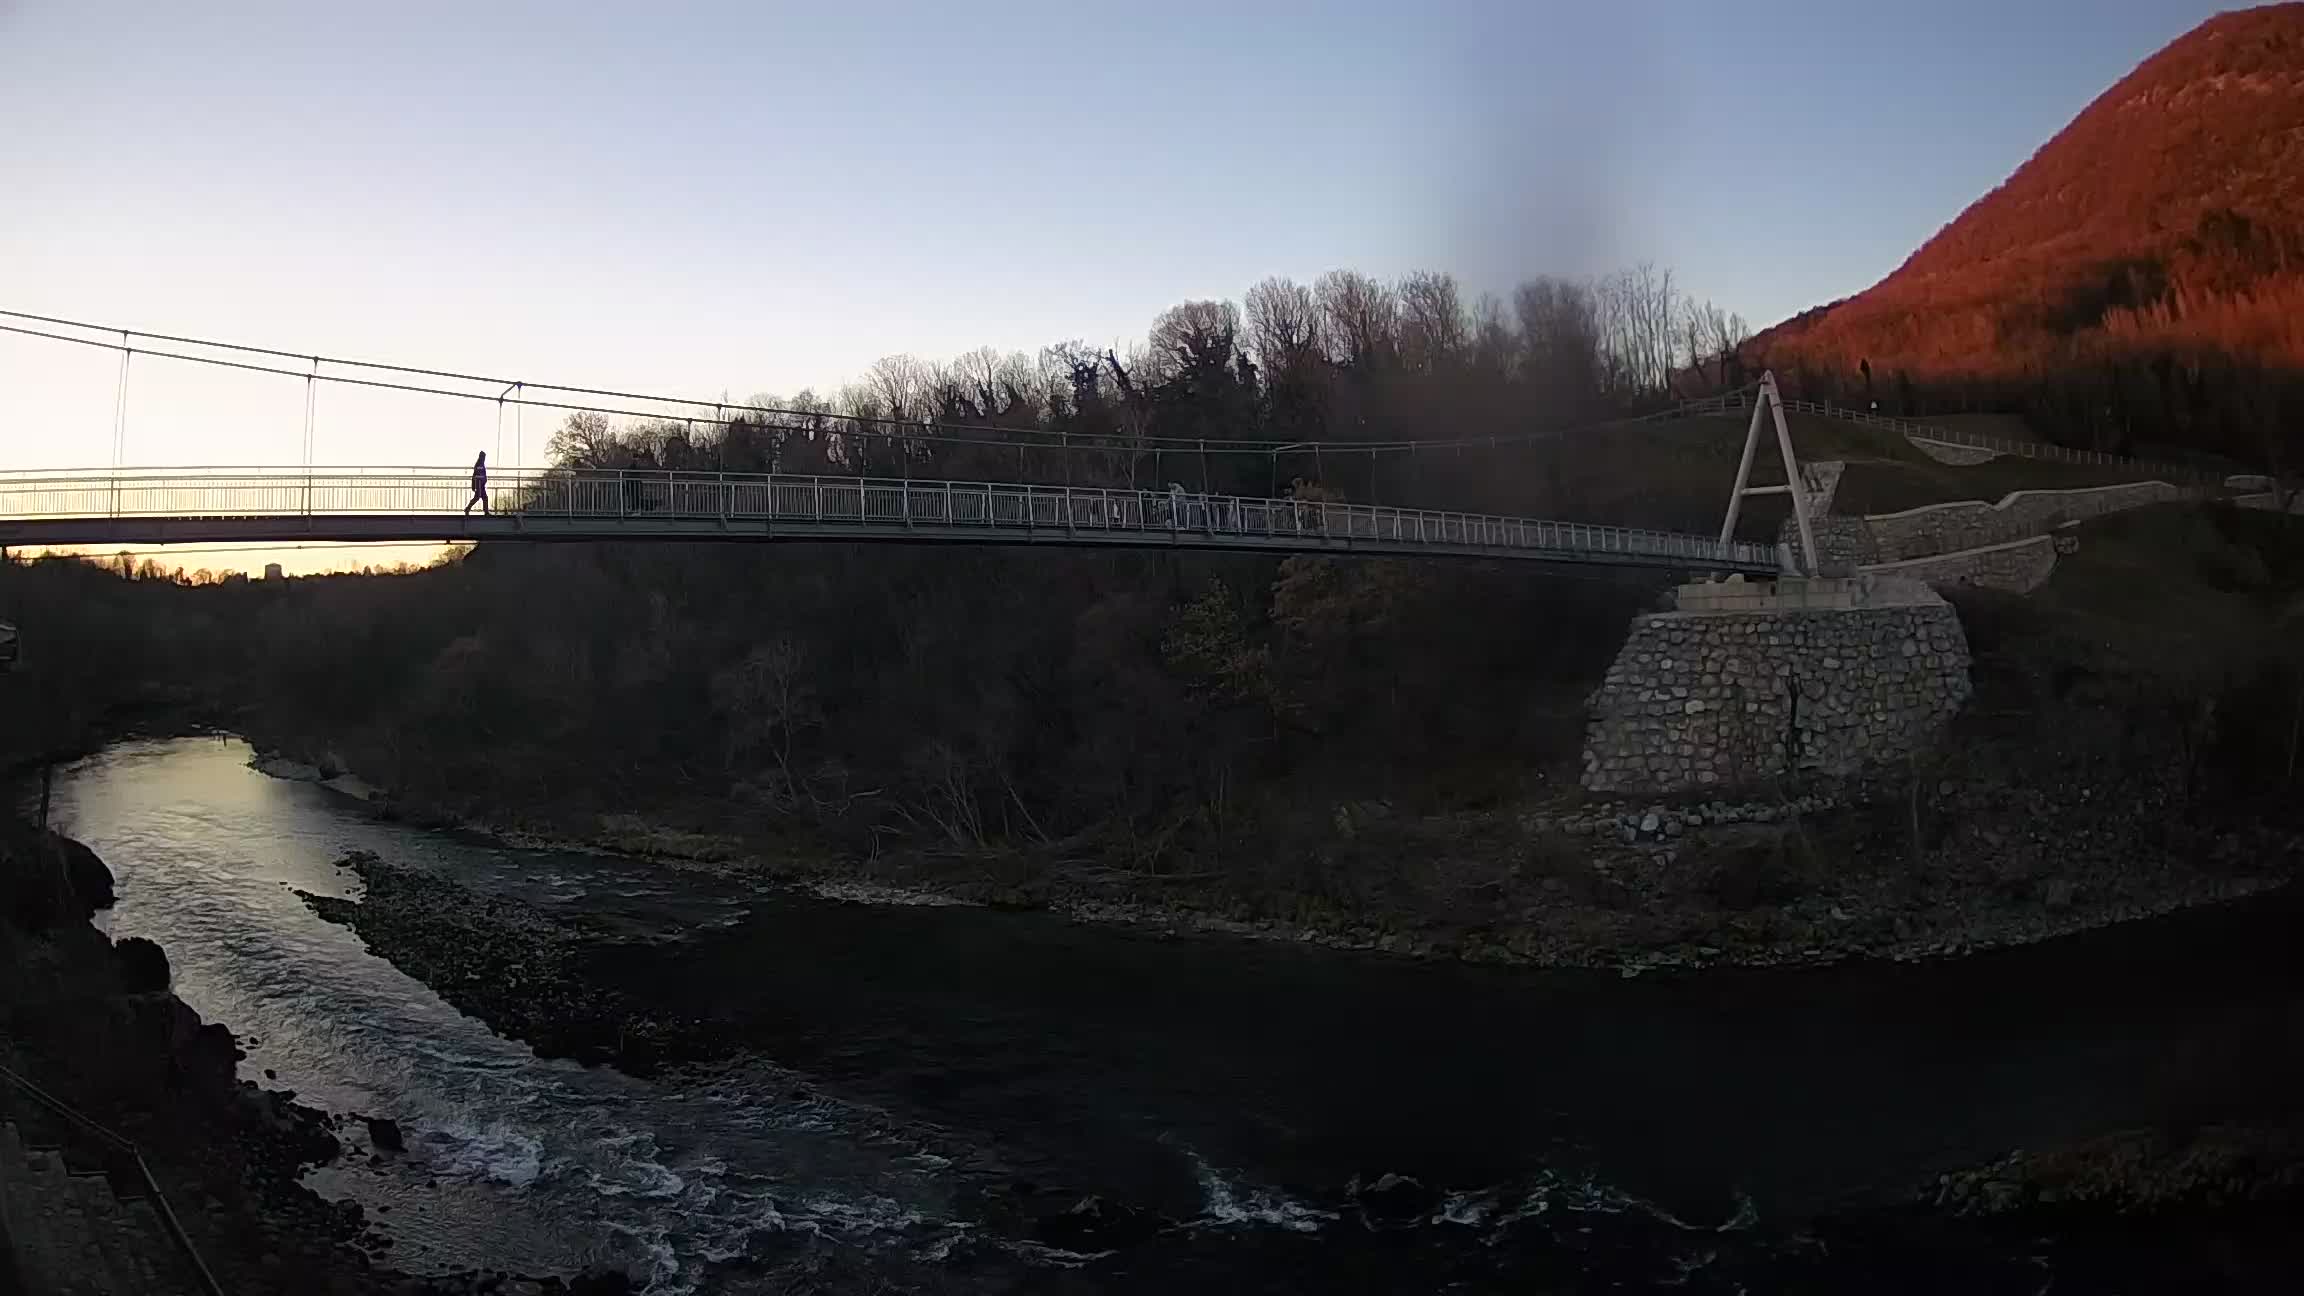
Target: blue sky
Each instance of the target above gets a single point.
(748, 197)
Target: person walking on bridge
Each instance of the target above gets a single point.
(479, 486)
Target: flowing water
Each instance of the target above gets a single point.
(935, 1065)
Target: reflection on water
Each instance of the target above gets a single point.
(512, 1162)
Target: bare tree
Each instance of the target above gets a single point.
(1711, 338)
(1560, 338)
(768, 704)
(1639, 325)
(1283, 327)
(1433, 326)
(902, 387)
(1495, 351)
(1359, 318)
(971, 383)
(1197, 336)
(584, 440)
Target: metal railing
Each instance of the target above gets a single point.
(2045, 451)
(132, 1161)
(628, 502)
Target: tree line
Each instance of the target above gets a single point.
(1345, 359)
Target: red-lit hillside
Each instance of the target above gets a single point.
(2130, 280)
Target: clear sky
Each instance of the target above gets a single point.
(759, 197)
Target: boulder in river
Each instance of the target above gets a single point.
(90, 880)
(47, 880)
(1097, 1224)
(143, 966)
(385, 1134)
(1391, 1200)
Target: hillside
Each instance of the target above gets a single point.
(1676, 474)
(2137, 282)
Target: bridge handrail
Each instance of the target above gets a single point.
(133, 1159)
(772, 497)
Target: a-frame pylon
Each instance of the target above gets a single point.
(1767, 403)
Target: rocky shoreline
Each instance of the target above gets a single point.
(2134, 1197)
(1834, 870)
(82, 1017)
(511, 966)
(2139, 1172)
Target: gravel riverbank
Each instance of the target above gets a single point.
(1859, 868)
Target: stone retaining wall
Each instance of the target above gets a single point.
(2270, 502)
(2018, 567)
(1723, 699)
(1843, 544)
(1822, 478)
(1945, 528)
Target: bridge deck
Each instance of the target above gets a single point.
(342, 504)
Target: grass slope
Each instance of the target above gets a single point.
(1675, 475)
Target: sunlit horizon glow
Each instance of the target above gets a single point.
(721, 199)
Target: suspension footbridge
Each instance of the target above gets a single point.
(123, 504)
(354, 504)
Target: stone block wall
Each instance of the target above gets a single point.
(2270, 502)
(1704, 700)
(1945, 528)
(1843, 544)
(2018, 567)
(1952, 452)
(1822, 480)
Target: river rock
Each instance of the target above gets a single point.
(143, 966)
(1392, 1200)
(86, 874)
(385, 1134)
(274, 765)
(511, 965)
(1097, 1224)
(48, 880)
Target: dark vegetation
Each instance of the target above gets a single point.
(1307, 736)
(1231, 399)
(1306, 733)
(1311, 740)
(2134, 287)
(2186, 624)
(1156, 714)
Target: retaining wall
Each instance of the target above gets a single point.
(1944, 528)
(2018, 567)
(1760, 684)
(2268, 501)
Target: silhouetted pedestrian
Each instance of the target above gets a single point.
(479, 486)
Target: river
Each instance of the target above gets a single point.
(917, 1072)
